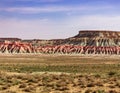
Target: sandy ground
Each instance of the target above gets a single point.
(58, 82)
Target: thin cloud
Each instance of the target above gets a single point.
(98, 22)
(50, 29)
(49, 9)
(44, 1)
(49, 0)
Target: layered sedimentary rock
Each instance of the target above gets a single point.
(76, 49)
(96, 38)
(16, 47)
(86, 42)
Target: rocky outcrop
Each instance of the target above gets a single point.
(16, 47)
(96, 38)
(75, 49)
(86, 42)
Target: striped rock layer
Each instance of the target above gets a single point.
(96, 38)
(86, 42)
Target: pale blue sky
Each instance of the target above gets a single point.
(50, 19)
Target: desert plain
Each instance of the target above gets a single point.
(56, 73)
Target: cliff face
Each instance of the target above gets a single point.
(96, 38)
(86, 42)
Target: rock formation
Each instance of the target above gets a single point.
(96, 38)
(86, 42)
(16, 47)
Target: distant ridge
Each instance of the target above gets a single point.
(98, 33)
(85, 42)
(10, 39)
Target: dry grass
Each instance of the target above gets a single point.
(58, 83)
(59, 74)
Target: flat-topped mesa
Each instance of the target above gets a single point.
(96, 38)
(98, 34)
(9, 39)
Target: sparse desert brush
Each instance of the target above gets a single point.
(97, 75)
(75, 74)
(99, 84)
(15, 82)
(25, 77)
(101, 91)
(112, 73)
(113, 91)
(117, 84)
(62, 88)
(91, 84)
(23, 85)
(32, 80)
(40, 84)
(2, 82)
(10, 91)
(20, 76)
(88, 91)
(27, 89)
(4, 87)
(61, 83)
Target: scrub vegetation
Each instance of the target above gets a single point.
(33, 73)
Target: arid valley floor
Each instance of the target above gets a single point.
(41, 73)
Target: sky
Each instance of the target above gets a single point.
(56, 19)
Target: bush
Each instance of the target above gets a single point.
(111, 73)
(101, 91)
